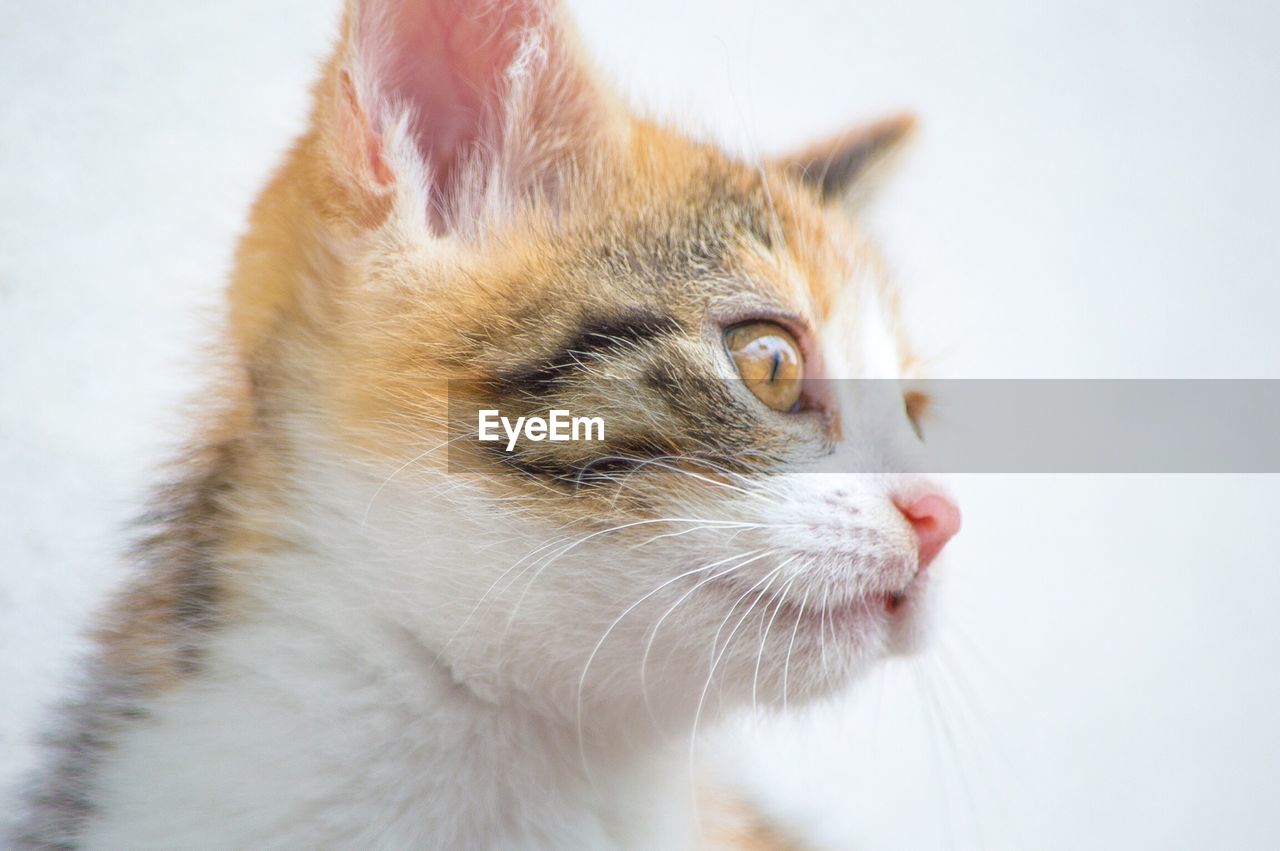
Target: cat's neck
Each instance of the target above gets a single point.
(341, 726)
(314, 710)
(497, 773)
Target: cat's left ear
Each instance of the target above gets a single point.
(849, 167)
(478, 103)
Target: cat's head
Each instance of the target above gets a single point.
(471, 202)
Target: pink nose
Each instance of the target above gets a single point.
(935, 520)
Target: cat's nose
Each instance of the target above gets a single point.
(935, 519)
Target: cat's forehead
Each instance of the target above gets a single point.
(685, 227)
(743, 230)
(675, 230)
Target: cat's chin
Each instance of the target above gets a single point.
(871, 629)
(895, 620)
(822, 650)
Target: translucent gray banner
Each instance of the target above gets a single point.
(861, 426)
(1104, 426)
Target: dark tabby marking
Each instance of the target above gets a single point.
(60, 802)
(153, 639)
(593, 339)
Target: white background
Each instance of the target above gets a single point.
(1096, 193)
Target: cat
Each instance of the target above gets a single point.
(342, 635)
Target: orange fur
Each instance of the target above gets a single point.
(350, 307)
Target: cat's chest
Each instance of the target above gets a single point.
(283, 742)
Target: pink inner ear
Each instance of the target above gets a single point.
(361, 134)
(447, 59)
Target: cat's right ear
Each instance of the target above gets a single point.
(470, 104)
(849, 168)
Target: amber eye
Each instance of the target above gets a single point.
(917, 405)
(769, 361)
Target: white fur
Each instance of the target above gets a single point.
(322, 724)
(424, 667)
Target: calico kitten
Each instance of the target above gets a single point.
(341, 635)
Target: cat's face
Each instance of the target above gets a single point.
(707, 552)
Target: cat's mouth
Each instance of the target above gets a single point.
(829, 610)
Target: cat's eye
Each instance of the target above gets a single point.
(916, 404)
(768, 359)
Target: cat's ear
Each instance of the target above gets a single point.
(849, 167)
(469, 100)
